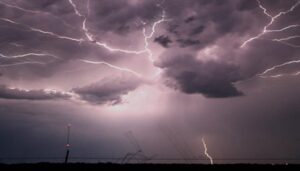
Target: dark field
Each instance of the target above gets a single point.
(107, 166)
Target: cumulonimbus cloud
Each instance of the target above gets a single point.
(210, 78)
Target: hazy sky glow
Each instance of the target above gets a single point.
(168, 73)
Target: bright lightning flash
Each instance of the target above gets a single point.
(272, 20)
(262, 75)
(89, 37)
(205, 151)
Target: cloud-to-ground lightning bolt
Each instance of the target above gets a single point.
(262, 75)
(112, 66)
(272, 20)
(205, 151)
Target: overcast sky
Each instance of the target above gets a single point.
(168, 73)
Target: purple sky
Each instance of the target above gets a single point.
(167, 73)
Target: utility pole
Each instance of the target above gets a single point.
(68, 143)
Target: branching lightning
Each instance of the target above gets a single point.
(283, 40)
(272, 20)
(89, 37)
(149, 36)
(262, 75)
(205, 151)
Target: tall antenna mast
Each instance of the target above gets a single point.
(68, 143)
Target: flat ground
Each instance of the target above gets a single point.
(140, 167)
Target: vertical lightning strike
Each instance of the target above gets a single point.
(272, 20)
(112, 66)
(205, 151)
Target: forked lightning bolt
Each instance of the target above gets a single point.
(89, 37)
(205, 151)
(149, 36)
(272, 20)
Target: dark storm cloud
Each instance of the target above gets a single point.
(187, 42)
(193, 25)
(122, 16)
(189, 19)
(197, 32)
(204, 57)
(163, 40)
(109, 90)
(58, 17)
(211, 78)
(206, 21)
(22, 94)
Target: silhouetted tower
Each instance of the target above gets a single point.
(68, 143)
